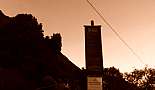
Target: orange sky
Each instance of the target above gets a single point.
(134, 20)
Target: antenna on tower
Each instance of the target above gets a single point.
(92, 22)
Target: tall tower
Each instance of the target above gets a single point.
(93, 54)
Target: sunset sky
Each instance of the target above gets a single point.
(134, 20)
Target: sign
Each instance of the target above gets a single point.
(93, 50)
(94, 83)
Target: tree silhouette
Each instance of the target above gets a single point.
(141, 77)
(20, 38)
(113, 80)
(28, 27)
(37, 61)
(54, 42)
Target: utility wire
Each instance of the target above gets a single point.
(115, 32)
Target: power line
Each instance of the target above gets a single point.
(115, 32)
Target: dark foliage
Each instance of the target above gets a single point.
(113, 80)
(28, 61)
(143, 78)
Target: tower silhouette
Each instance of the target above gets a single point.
(93, 56)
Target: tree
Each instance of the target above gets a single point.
(20, 38)
(28, 26)
(37, 61)
(54, 42)
(143, 78)
(114, 80)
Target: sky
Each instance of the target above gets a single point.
(134, 20)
